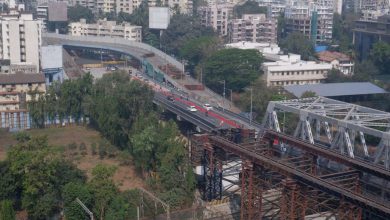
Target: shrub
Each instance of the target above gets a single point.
(93, 148)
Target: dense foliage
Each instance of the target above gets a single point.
(237, 67)
(122, 111)
(249, 7)
(299, 44)
(75, 13)
(197, 50)
(381, 57)
(181, 29)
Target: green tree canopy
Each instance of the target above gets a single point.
(43, 173)
(77, 12)
(249, 7)
(7, 211)
(237, 67)
(181, 29)
(299, 44)
(380, 54)
(116, 103)
(308, 94)
(198, 49)
(103, 188)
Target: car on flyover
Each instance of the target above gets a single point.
(192, 108)
(208, 107)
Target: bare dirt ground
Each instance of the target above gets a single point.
(125, 176)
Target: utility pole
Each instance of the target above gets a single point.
(250, 116)
(231, 95)
(224, 94)
(85, 208)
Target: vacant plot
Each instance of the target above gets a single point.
(85, 148)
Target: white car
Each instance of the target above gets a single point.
(208, 107)
(192, 109)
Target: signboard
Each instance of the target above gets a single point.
(159, 18)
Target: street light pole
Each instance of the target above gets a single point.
(224, 94)
(250, 116)
(231, 96)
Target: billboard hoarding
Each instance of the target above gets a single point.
(159, 18)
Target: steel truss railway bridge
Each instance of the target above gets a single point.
(314, 158)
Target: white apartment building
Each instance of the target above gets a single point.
(104, 28)
(282, 73)
(253, 28)
(20, 39)
(216, 16)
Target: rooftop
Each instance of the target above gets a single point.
(21, 78)
(336, 89)
(329, 56)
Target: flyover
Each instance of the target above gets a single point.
(151, 65)
(151, 58)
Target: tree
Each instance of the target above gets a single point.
(261, 95)
(77, 12)
(103, 188)
(281, 27)
(181, 29)
(380, 54)
(308, 94)
(196, 50)
(299, 44)
(10, 183)
(342, 31)
(237, 67)
(73, 190)
(43, 174)
(249, 7)
(7, 210)
(116, 103)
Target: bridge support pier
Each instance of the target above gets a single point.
(212, 175)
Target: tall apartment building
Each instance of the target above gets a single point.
(216, 16)
(104, 28)
(20, 39)
(313, 20)
(90, 4)
(253, 28)
(274, 7)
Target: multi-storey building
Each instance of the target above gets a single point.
(253, 28)
(274, 7)
(20, 39)
(104, 28)
(366, 33)
(311, 19)
(216, 16)
(90, 4)
(14, 90)
(128, 6)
